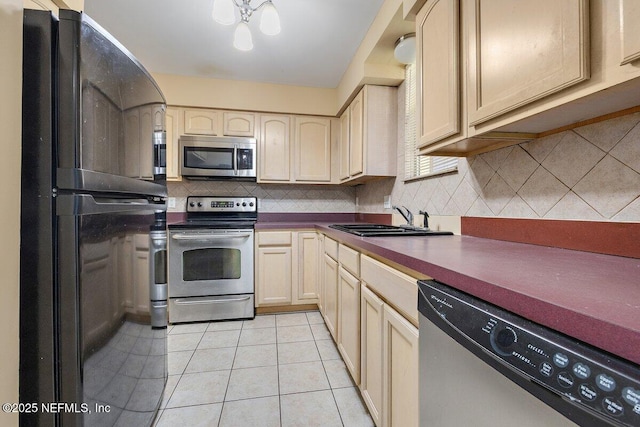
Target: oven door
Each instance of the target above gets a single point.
(207, 262)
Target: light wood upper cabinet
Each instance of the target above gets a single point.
(368, 148)
(630, 30)
(274, 148)
(312, 149)
(173, 122)
(147, 118)
(344, 147)
(238, 124)
(520, 52)
(202, 122)
(356, 135)
(438, 94)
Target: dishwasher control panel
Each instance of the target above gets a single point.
(600, 385)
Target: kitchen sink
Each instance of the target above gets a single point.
(380, 230)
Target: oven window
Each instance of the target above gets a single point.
(208, 158)
(211, 264)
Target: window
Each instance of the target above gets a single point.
(419, 166)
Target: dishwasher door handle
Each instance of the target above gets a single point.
(209, 236)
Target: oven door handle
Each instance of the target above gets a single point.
(209, 236)
(210, 301)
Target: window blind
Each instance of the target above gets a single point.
(419, 166)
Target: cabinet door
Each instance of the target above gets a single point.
(202, 122)
(330, 274)
(320, 263)
(274, 275)
(356, 135)
(238, 124)
(521, 51)
(312, 148)
(400, 370)
(630, 31)
(274, 148)
(371, 317)
(438, 70)
(147, 117)
(172, 119)
(141, 273)
(349, 322)
(344, 144)
(306, 289)
(131, 151)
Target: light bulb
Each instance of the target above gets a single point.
(224, 12)
(242, 37)
(270, 21)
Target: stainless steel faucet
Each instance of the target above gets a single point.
(408, 216)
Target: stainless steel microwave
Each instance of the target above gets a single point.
(211, 157)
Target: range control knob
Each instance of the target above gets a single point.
(502, 340)
(199, 204)
(244, 204)
(251, 204)
(191, 204)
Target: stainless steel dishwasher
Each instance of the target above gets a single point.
(483, 366)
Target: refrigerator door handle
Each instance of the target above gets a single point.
(87, 204)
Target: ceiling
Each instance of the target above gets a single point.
(316, 44)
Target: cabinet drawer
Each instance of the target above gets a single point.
(397, 288)
(350, 259)
(331, 248)
(274, 238)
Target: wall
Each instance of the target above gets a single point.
(10, 123)
(191, 91)
(589, 173)
(272, 197)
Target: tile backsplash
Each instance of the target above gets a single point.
(272, 197)
(588, 173)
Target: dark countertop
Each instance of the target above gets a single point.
(592, 297)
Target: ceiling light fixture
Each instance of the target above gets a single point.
(224, 13)
(405, 50)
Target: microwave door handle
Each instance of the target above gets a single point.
(235, 160)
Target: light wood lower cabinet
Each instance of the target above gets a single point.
(389, 360)
(274, 268)
(330, 304)
(399, 370)
(349, 321)
(305, 289)
(286, 268)
(371, 324)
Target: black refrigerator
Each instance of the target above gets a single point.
(93, 286)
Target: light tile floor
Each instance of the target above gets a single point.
(275, 370)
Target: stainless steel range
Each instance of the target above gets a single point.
(211, 260)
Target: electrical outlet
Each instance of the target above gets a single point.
(171, 202)
(387, 202)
